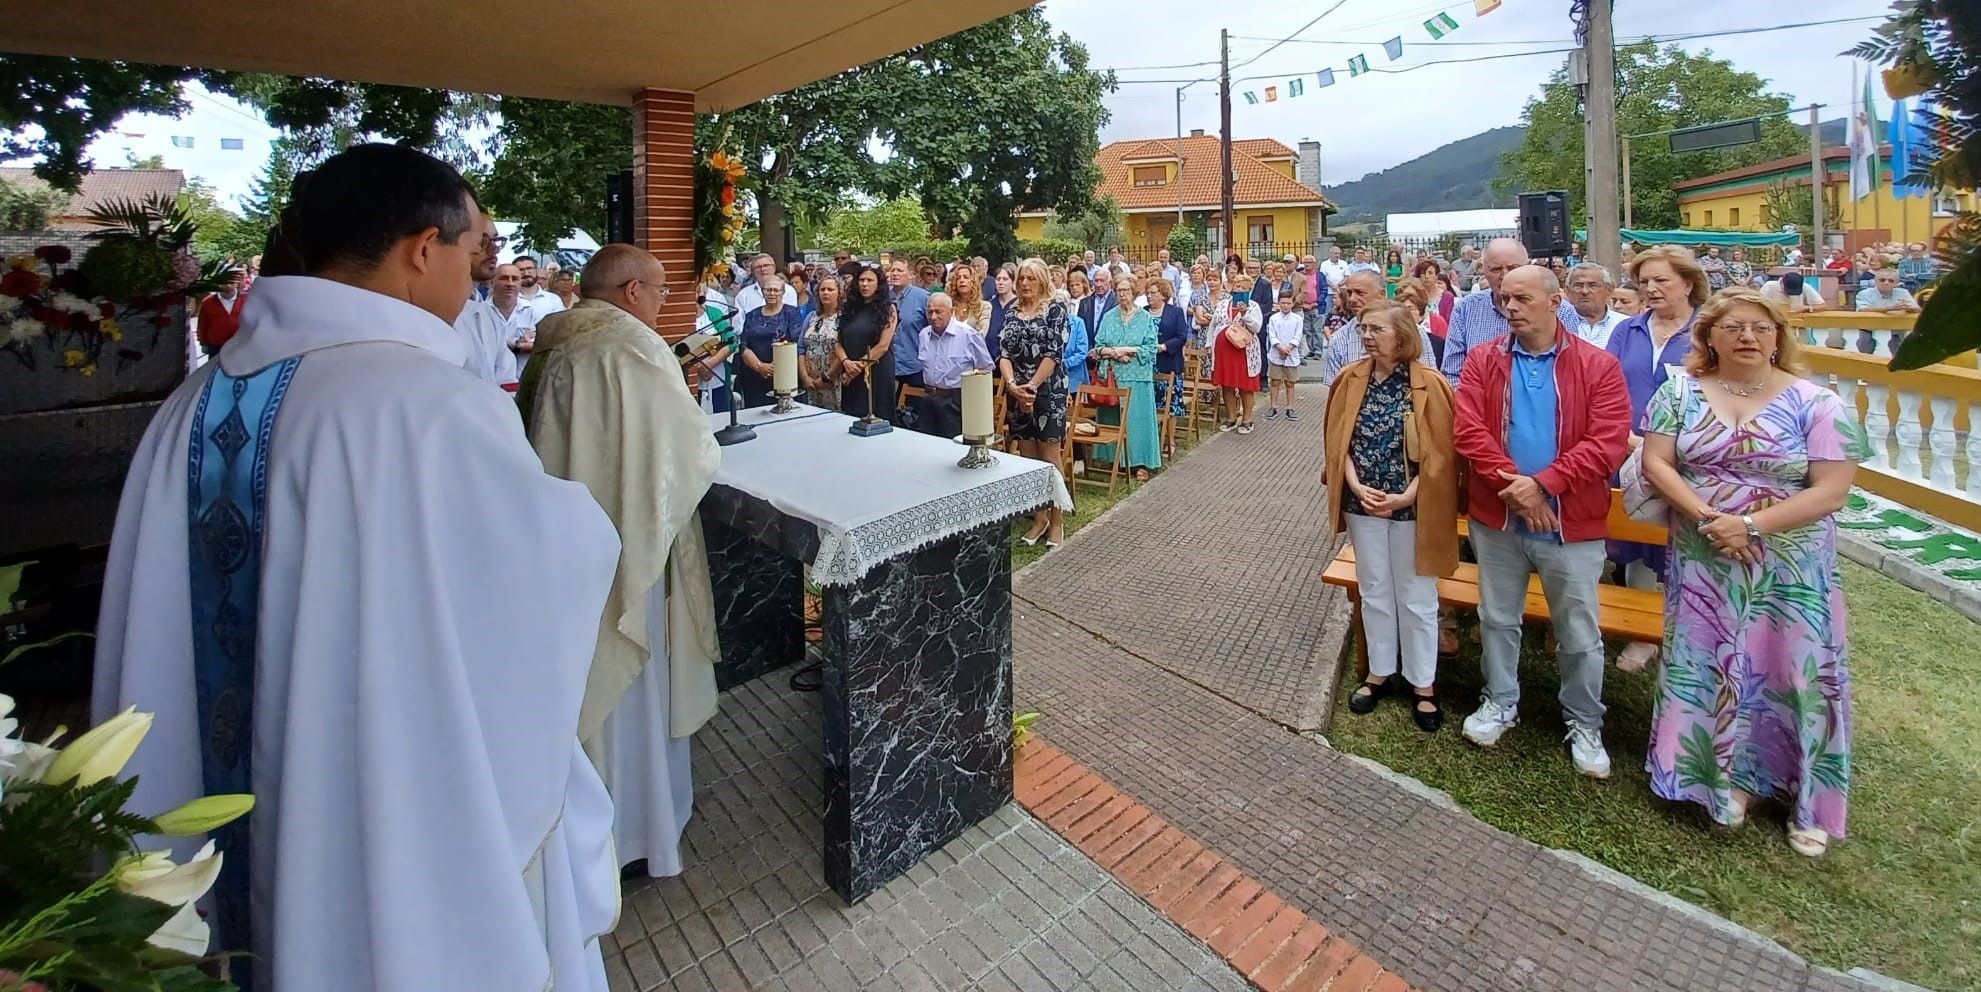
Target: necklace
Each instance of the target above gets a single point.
(1758, 385)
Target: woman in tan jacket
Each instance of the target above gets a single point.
(1392, 480)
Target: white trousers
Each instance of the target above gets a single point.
(1399, 607)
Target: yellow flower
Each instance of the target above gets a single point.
(89, 369)
(112, 330)
(719, 160)
(21, 262)
(74, 357)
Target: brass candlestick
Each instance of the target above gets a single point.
(869, 425)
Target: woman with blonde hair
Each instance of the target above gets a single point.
(1650, 346)
(1031, 359)
(967, 296)
(1392, 484)
(1754, 699)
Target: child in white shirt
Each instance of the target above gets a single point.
(1284, 333)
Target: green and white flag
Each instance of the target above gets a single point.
(1358, 65)
(1296, 86)
(1251, 97)
(1441, 25)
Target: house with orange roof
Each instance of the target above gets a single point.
(1154, 181)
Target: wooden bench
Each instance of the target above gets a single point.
(1633, 614)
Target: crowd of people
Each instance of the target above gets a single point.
(1546, 399)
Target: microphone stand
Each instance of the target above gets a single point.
(735, 433)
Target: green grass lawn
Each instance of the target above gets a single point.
(1901, 895)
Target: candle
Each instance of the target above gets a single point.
(784, 367)
(976, 404)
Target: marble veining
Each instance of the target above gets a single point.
(759, 604)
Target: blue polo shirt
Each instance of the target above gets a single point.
(912, 307)
(1532, 439)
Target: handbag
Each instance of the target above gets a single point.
(1640, 499)
(1106, 378)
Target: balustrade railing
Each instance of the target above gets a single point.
(1921, 422)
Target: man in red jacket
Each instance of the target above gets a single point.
(1544, 419)
(220, 313)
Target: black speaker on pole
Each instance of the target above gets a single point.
(619, 208)
(1544, 223)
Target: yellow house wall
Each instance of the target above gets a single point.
(1282, 166)
(1031, 228)
(1908, 220)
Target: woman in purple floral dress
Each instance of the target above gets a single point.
(1754, 698)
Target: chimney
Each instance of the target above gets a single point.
(1196, 132)
(1309, 169)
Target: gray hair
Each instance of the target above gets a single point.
(944, 297)
(1608, 278)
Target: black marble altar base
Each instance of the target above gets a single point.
(917, 706)
(917, 679)
(759, 604)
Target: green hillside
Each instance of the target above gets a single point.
(1457, 176)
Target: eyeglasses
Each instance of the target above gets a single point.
(494, 242)
(1759, 328)
(662, 290)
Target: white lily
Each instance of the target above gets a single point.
(153, 876)
(101, 752)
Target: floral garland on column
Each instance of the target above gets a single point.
(718, 217)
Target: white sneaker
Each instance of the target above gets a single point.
(1489, 721)
(1585, 745)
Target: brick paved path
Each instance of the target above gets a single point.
(1175, 668)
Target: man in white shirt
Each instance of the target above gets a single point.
(1335, 268)
(1362, 262)
(1589, 288)
(488, 354)
(539, 300)
(1176, 276)
(751, 297)
(515, 321)
(1794, 292)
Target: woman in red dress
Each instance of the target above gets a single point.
(1236, 360)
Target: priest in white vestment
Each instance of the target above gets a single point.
(318, 585)
(609, 407)
(480, 326)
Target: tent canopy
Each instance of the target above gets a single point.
(1723, 239)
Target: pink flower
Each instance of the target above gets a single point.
(185, 269)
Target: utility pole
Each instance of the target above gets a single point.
(1816, 178)
(1179, 155)
(1626, 183)
(1224, 135)
(1599, 134)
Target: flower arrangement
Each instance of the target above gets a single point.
(718, 217)
(142, 263)
(63, 924)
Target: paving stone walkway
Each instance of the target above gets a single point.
(1174, 647)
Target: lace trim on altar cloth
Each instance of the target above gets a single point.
(845, 556)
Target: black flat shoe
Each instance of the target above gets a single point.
(1364, 698)
(1427, 721)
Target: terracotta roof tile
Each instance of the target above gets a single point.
(1256, 181)
(101, 186)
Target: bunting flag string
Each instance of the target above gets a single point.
(1437, 27)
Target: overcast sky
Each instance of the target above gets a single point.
(1379, 119)
(1364, 124)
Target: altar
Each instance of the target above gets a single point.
(912, 554)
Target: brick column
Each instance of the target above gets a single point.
(664, 196)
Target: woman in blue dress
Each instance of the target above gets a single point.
(766, 325)
(1650, 346)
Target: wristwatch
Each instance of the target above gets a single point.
(1753, 532)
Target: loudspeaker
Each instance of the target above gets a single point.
(1544, 223)
(619, 209)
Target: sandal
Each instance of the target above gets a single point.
(1810, 842)
(1428, 721)
(1737, 801)
(1635, 656)
(1141, 475)
(1364, 698)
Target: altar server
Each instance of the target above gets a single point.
(610, 408)
(318, 585)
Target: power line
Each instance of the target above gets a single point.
(1561, 41)
(1302, 30)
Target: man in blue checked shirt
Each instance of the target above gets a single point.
(1477, 317)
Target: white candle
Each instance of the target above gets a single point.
(976, 404)
(784, 367)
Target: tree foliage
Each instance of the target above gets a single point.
(866, 230)
(1657, 89)
(1934, 47)
(554, 161)
(28, 206)
(1098, 226)
(52, 107)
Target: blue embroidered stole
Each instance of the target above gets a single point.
(227, 482)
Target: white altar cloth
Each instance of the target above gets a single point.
(873, 498)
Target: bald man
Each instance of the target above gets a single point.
(1478, 318)
(948, 348)
(606, 404)
(1543, 418)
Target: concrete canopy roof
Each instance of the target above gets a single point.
(597, 52)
